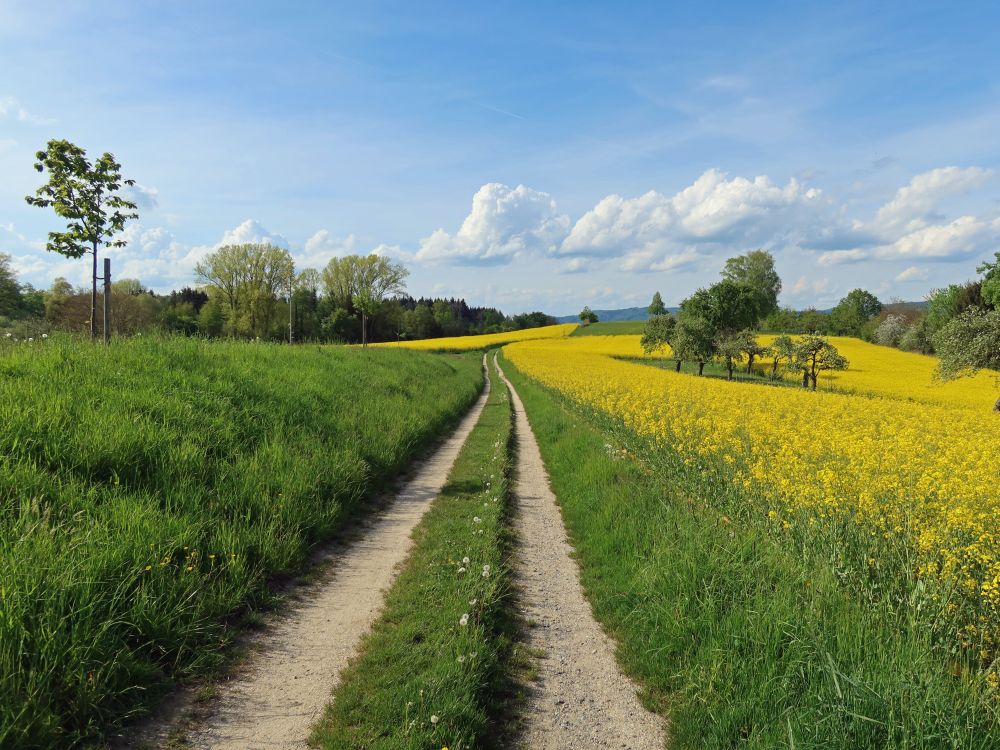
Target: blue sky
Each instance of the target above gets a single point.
(525, 155)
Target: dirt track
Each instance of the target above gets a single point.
(581, 699)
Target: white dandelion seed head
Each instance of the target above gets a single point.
(435, 718)
(461, 570)
(477, 519)
(465, 561)
(460, 660)
(464, 620)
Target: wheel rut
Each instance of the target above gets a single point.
(580, 699)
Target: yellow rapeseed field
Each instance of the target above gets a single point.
(466, 343)
(904, 460)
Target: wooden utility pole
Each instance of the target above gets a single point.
(107, 300)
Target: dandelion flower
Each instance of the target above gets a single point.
(477, 519)
(435, 719)
(461, 570)
(486, 571)
(460, 659)
(465, 561)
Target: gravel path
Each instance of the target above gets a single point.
(275, 701)
(581, 699)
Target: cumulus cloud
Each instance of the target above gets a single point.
(144, 197)
(504, 223)
(964, 237)
(917, 201)
(251, 231)
(714, 209)
(913, 273)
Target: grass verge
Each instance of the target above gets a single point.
(149, 491)
(432, 671)
(741, 640)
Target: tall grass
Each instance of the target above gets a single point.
(149, 491)
(742, 636)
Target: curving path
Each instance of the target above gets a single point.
(281, 694)
(581, 699)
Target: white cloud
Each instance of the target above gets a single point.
(839, 257)
(144, 197)
(965, 236)
(504, 223)
(803, 287)
(913, 273)
(251, 231)
(574, 265)
(917, 201)
(713, 209)
(322, 246)
(11, 109)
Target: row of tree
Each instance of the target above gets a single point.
(717, 323)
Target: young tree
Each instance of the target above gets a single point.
(756, 271)
(728, 349)
(813, 355)
(969, 343)
(658, 333)
(753, 349)
(694, 340)
(588, 316)
(86, 194)
(782, 351)
(656, 307)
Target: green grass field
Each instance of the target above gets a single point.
(744, 641)
(615, 328)
(150, 491)
(432, 671)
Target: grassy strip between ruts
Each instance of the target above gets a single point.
(150, 490)
(740, 640)
(432, 673)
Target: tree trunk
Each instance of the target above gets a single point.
(364, 329)
(701, 368)
(814, 381)
(678, 369)
(805, 378)
(996, 406)
(93, 299)
(774, 368)
(729, 368)
(749, 364)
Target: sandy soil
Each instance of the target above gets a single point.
(280, 694)
(581, 699)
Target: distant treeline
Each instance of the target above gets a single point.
(261, 313)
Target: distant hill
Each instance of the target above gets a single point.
(610, 316)
(639, 313)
